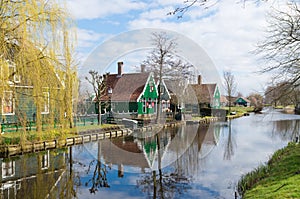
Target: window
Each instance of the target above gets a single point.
(8, 103)
(162, 90)
(149, 103)
(45, 161)
(144, 105)
(45, 108)
(13, 77)
(154, 105)
(8, 169)
(151, 88)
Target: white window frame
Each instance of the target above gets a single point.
(8, 169)
(45, 162)
(16, 78)
(144, 105)
(151, 88)
(46, 102)
(12, 100)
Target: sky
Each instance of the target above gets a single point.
(227, 31)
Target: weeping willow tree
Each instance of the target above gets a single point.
(38, 73)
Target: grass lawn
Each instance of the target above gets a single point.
(279, 178)
(32, 136)
(239, 109)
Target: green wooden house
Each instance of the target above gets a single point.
(208, 95)
(131, 93)
(241, 101)
(29, 96)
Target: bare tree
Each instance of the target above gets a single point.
(180, 10)
(163, 62)
(230, 86)
(98, 83)
(159, 60)
(283, 94)
(281, 48)
(256, 100)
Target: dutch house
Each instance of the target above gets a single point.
(31, 91)
(207, 95)
(131, 95)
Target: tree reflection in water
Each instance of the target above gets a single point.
(164, 184)
(99, 177)
(287, 129)
(189, 148)
(230, 144)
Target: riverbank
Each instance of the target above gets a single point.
(279, 178)
(11, 144)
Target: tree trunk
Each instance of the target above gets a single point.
(158, 116)
(99, 113)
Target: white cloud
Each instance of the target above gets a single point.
(228, 32)
(93, 9)
(87, 38)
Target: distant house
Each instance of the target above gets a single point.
(208, 95)
(241, 101)
(131, 93)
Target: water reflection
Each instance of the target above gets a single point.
(34, 175)
(230, 143)
(287, 129)
(188, 161)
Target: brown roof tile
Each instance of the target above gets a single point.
(204, 92)
(126, 87)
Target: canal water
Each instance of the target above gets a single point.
(188, 161)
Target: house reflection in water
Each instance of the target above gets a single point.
(184, 142)
(133, 152)
(31, 175)
(50, 174)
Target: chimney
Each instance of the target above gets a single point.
(199, 79)
(120, 68)
(143, 68)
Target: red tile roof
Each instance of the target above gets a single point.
(126, 87)
(204, 92)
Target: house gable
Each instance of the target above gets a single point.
(149, 89)
(217, 98)
(242, 101)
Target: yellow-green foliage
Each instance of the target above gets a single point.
(35, 37)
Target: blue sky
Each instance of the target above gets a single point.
(227, 31)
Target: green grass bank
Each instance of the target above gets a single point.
(12, 138)
(278, 178)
